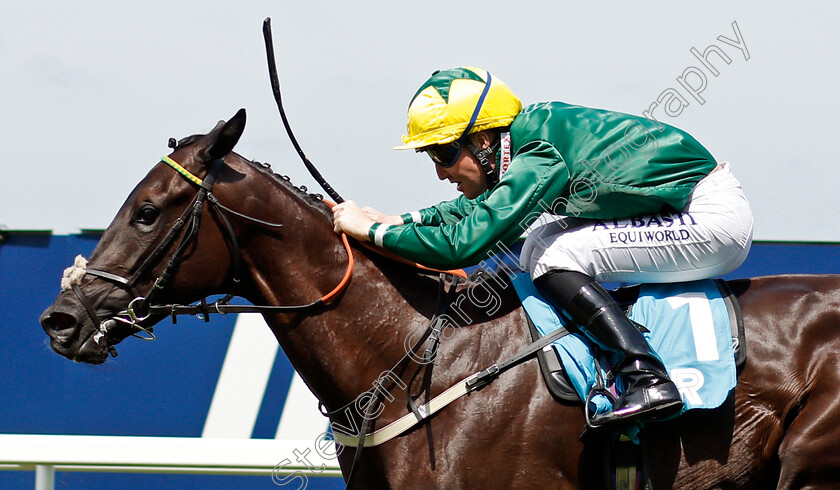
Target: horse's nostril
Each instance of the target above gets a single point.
(60, 326)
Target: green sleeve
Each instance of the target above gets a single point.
(448, 212)
(537, 175)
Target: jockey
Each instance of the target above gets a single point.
(605, 196)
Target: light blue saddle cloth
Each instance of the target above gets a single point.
(689, 328)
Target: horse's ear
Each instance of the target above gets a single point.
(228, 136)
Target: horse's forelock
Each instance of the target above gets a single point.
(187, 141)
(193, 138)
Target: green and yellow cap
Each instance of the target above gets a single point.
(456, 102)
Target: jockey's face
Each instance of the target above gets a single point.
(466, 172)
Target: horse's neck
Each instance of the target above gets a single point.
(342, 348)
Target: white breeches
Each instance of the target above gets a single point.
(709, 237)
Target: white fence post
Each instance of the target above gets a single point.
(44, 477)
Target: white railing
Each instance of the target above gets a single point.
(46, 454)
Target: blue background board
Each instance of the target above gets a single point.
(151, 388)
(164, 388)
(160, 388)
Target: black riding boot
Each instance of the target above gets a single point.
(647, 391)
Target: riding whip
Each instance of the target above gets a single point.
(275, 87)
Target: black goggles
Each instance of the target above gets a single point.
(444, 155)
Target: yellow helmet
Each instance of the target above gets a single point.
(456, 102)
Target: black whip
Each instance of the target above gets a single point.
(275, 87)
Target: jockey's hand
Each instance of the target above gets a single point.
(388, 219)
(352, 220)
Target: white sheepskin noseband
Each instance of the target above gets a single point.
(74, 274)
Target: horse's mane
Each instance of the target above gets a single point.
(314, 200)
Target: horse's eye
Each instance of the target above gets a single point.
(147, 215)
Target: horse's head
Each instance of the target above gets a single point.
(154, 250)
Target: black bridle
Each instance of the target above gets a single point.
(138, 309)
(142, 307)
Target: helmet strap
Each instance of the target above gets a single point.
(483, 157)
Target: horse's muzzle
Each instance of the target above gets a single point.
(71, 337)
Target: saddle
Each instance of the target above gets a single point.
(624, 462)
(556, 378)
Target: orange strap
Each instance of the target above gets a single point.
(343, 284)
(385, 253)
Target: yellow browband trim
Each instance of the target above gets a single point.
(181, 170)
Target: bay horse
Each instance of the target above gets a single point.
(780, 427)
